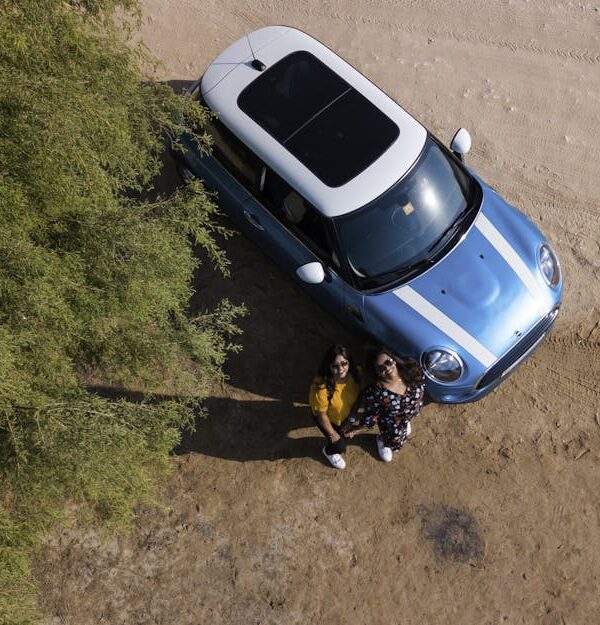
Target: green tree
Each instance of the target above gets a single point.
(94, 280)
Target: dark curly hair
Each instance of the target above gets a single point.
(325, 367)
(408, 368)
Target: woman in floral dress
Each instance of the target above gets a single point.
(392, 401)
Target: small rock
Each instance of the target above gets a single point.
(504, 452)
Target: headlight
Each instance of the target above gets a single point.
(548, 264)
(442, 365)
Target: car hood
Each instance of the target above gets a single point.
(486, 293)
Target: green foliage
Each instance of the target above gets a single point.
(94, 281)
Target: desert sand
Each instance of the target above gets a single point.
(491, 514)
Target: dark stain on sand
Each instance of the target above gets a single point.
(453, 532)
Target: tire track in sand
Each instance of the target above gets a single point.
(581, 55)
(572, 365)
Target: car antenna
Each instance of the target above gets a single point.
(256, 64)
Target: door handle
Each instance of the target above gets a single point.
(355, 313)
(253, 219)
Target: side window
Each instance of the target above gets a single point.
(238, 159)
(296, 213)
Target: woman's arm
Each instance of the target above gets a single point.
(368, 416)
(325, 423)
(353, 430)
(352, 425)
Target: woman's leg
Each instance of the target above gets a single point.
(393, 435)
(339, 447)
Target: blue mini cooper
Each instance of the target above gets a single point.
(378, 220)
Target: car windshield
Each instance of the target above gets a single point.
(401, 232)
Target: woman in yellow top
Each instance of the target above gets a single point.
(333, 395)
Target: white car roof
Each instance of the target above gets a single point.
(231, 72)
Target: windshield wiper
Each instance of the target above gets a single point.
(402, 273)
(415, 267)
(450, 230)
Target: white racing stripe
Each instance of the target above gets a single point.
(441, 321)
(505, 249)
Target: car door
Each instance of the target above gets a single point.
(232, 171)
(290, 230)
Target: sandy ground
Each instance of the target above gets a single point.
(491, 514)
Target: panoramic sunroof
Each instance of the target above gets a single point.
(323, 121)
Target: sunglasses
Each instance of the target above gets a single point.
(385, 365)
(339, 365)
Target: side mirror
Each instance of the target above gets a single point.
(311, 273)
(461, 143)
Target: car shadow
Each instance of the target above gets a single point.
(284, 336)
(180, 86)
(285, 332)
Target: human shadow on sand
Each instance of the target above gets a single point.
(248, 430)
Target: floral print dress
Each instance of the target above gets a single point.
(392, 411)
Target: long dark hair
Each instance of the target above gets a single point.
(325, 367)
(408, 368)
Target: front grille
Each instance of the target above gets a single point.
(521, 348)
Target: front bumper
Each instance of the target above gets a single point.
(499, 371)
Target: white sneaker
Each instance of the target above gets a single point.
(385, 453)
(408, 429)
(335, 460)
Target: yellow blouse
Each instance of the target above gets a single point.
(344, 397)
